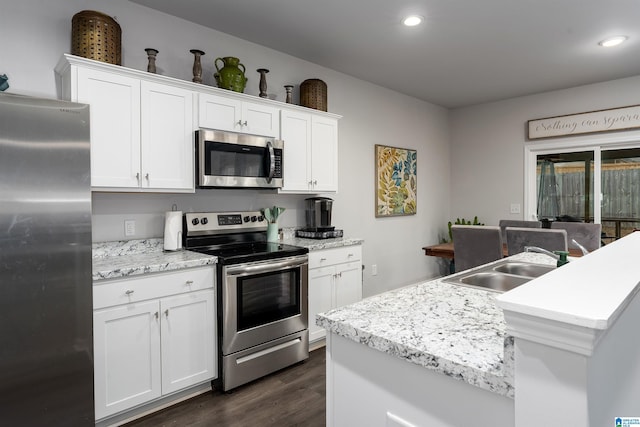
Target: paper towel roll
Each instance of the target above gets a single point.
(173, 231)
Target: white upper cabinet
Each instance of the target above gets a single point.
(167, 137)
(141, 130)
(231, 114)
(115, 126)
(310, 152)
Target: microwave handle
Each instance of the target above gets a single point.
(272, 161)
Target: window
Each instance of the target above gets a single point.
(597, 183)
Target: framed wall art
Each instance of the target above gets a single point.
(396, 181)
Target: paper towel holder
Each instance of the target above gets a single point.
(173, 229)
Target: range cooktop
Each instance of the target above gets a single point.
(234, 238)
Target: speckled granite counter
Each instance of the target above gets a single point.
(454, 330)
(113, 260)
(319, 244)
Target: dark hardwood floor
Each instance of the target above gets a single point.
(294, 396)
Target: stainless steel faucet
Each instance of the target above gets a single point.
(582, 248)
(541, 251)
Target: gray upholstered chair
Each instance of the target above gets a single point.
(585, 233)
(474, 245)
(504, 223)
(519, 237)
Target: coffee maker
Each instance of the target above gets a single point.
(318, 218)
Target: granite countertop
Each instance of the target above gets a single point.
(112, 260)
(319, 244)
(454, 330)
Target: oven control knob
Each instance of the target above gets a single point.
(204, 221)
(260, 218)
(246, 218)
(254, 218)
(195, 221)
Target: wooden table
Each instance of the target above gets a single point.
(445, 250)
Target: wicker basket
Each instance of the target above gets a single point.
(313, 94)
(95, 35)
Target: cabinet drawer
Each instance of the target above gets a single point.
(124, 291)
(335, 256)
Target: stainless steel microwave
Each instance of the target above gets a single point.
(236, 160)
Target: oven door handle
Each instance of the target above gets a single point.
(263, 267)
(272, 161)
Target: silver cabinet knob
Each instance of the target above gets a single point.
(147, 177)
(189, 282)
(166, 312)
(129, 292)
(156, 314)
(138, 176)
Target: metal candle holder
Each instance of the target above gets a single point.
(289, 89)
(151, 53)
(197, 65)
(263, 82)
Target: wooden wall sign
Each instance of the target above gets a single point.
(596, 121)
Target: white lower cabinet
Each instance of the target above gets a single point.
(335, 279)
(160, 341)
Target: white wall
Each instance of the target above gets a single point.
(488, 140)
(34, 34)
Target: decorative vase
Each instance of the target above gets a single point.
(231, 75)
(197, 65)
(263, 82)
(289, 89)
(151, 53)
(272, 232)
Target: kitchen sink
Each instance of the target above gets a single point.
(500, 277)
(524, 269)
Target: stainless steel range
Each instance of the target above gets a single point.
(262, 295)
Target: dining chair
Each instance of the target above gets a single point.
(504, 223)
(474, 245)
(585, 233)
(519, 237)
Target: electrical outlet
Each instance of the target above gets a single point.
(515, 208)
(374, 270)
(129, 227)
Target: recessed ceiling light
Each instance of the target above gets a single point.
(412, 20)
(613, 41)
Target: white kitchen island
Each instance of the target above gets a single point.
(435, 354)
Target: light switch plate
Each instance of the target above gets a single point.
(515, 208)
(129, 227)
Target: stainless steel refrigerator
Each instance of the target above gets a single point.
(46, 322)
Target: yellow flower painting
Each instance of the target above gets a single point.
(396, 181)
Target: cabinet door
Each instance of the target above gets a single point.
(188, 345)
(324, 154)
(167, 137)
(126, 357)
(348, 283)
(321, 282)
(115, 127)
(218, 112)
(260, 119)
(296, 133)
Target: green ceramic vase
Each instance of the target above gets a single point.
(231, 75)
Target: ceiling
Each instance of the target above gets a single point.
(466, 52)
